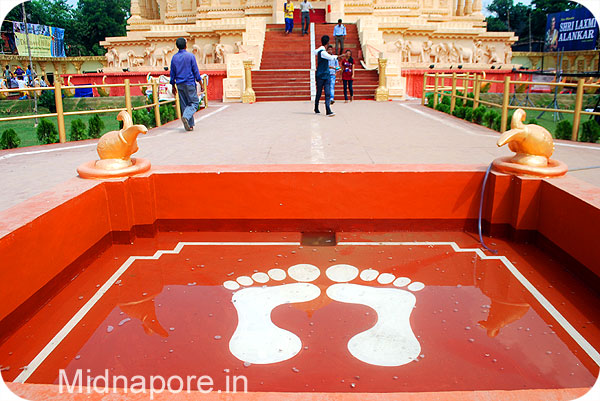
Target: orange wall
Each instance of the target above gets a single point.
(43, 235)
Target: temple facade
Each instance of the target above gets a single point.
(224, 33)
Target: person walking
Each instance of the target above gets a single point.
(7, 75)
(288, 13)
(339, 33)
(348, 75)
(334, 66)
(30, 75)
(305, 7)
(184, 75)
(323, 78)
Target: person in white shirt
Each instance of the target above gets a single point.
(334, 66)
(305, 7)
(323, 78)
(339, 33)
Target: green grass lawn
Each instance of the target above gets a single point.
(26, 130)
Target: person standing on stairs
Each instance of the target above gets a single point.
(339, 33)
(323, 79)
(334, 66)
(288, 13)
(305, 7)
(348, 75)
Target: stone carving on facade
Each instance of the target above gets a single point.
(427, 48)
(464, 54)
(441, 52)
(412, 49)
(490, 55)
(222, 50)
(119, 60)
(157, 55)
(478, 52)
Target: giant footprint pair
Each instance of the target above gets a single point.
(390, 342)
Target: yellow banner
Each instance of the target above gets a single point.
(41, 46)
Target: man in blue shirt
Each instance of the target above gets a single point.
(184, 75)
(339, 33)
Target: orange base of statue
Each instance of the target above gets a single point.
(555, 168)
(89, 169)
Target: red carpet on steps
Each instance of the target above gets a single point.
(285, 68)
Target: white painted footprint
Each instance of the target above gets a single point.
(256, 339)
(391, 341)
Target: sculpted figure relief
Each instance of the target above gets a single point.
(441, 52)
(478, 52)
(427, 49)
(413, 49)
(157, 55)
(465, 54)
(490, 54)
(120, 60)
(221, 50)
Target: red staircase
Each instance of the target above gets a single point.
(285, 68)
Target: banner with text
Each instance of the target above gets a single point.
(44, 41)
(571, 30)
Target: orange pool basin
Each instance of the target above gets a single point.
(343, 280)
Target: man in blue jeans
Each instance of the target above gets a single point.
(184, 74)
(323, 79)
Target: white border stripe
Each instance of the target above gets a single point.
(575, 335)
(60, 336)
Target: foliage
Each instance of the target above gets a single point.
(459, 102)
(443, 108)
(9, 139)
(47, 100)
(446, 100)
(77, 132)
(564, 129)
(142, 117)
(478, 114)
(95, 126)
(469, 103)
(512, 15)
(590, 131)
(469, 114)
(46, 132)
(490, 117)
(459, 112)
(86, 24)
(533, 121)
(167, 113)
(429, 100)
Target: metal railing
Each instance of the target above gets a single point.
(440, 86)
(60, 113)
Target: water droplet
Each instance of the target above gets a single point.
(240, 260)
(217, 337)
(494, 360)
(192, 284)
(210, 315)
(471, 340)
(353, 385)
(357, 377)
(246, 364)
(395, 377)
(78, 357)
(225, 370)
(295, 370)
(311, 323)
(549, 352)
(80, 297)
(468, 328)
(171, 328)
(122, 322)
(306, 347)
(109, 329)
(170, 351)
(486, 355)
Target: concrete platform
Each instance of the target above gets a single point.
(362, 132)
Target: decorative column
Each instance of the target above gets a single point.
(460, 8)
(136, 12)
(249, 96)
(469, 7)
(477, 6)
(382, 93)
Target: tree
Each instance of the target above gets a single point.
(540, 13)
(99, 19)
